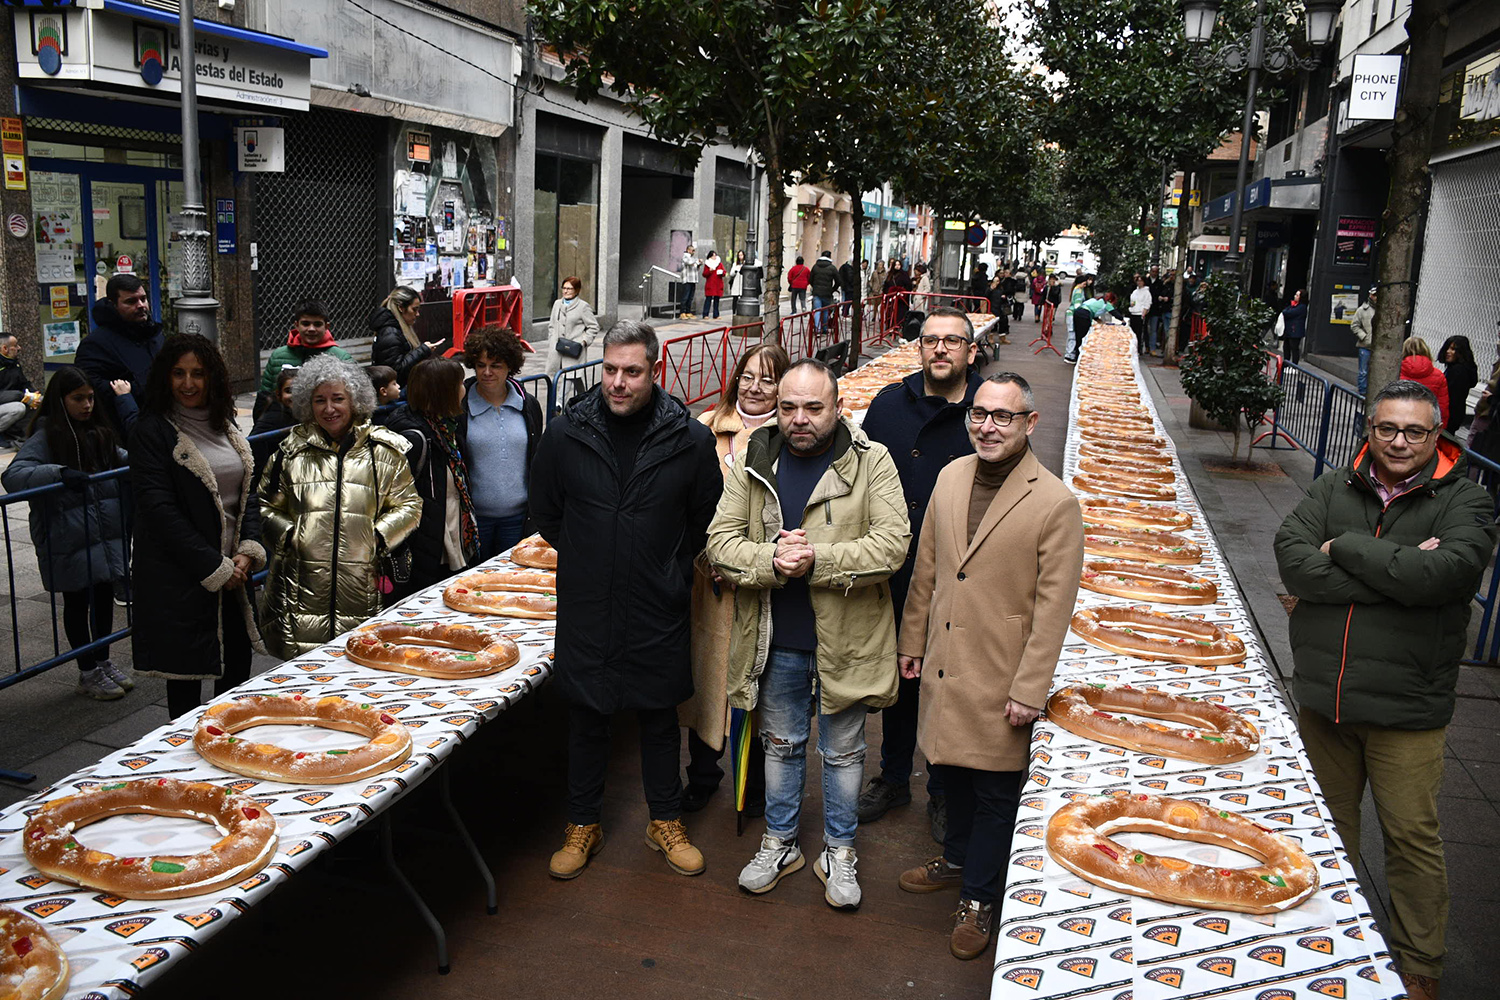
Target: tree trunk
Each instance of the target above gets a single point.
(770, 293)
(857, 314)
(1169, 349)
(1411, 145)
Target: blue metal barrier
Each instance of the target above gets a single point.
(574, 381)
(542, 389)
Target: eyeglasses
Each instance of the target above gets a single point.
(953, 342)
(1413, 435)
(1002, 418)
(766, 382)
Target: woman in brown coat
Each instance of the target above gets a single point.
(750, 402)
(991, 597)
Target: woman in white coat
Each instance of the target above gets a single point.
(571, 319)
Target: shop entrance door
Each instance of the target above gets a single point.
(93, 220)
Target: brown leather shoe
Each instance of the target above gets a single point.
(971, 929)
(670, 838)
(580, 843)
(1419, 987)
(934, 876)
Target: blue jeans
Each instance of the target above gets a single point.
(689, 292)
(711, 301)
(1364, 370)
(820, 319)
(788, 698)
(1156, 326)
(496, 534)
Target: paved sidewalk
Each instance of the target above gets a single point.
(1245, 509)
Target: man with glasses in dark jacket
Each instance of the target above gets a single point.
(1384, 556)
(921, 421)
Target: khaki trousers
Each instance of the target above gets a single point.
(1404, 769)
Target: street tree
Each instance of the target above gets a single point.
(1225, 372)
(736, 70)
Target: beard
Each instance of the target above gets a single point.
(957, 375)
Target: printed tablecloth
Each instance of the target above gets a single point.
(1061, 936)
(116, 946)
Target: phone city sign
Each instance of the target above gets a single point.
(1373, 87)
(145, 53)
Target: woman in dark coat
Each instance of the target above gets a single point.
(394, 324)
(79, 532)
(1294, 327)
(447, 537)
(196, 527)
(1462, 373)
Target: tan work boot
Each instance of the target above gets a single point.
(1419, 987)
(579, 845)
(971, 929)
(670, 838)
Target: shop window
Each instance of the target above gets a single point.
(565, 226)
(447, 230)
(731, 219)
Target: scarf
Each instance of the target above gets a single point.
(446, 430)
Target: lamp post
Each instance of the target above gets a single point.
(1198, 24)
(197, 309)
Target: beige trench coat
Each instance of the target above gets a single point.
(989, 617)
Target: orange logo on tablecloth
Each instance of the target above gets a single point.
(1122, 914)
(200, 920)
(104, 899)
(1279, 794)
(125, 928)
(1222, 965)
(1273, 954)
(1076, 754)
(1154, 761)
(1029, 978)
(136, 763)
(1037, 778)
(1032, 896)
(148, 958)
(1079, 925)
(1276, 994)
(1166, 934)
(1238, 798)
(331, 818)
(1079, 891)
(1219, 925)
(298, 848)
(1355, 933)
(312, 798)
(1116, 772)
(34, 881)
(1172, 977)
(1123, 955)
(1322, 945)
(1155, 783)
(1331, 987)
(1278, 817)
(254, 882)
(242, 786)
(176, 739)
(1031, 935)
(46, 907)
(1212, 681)
(1032, 861)
(1192, 779)
(1368, 972)
(1082, 966)
(1232, 775)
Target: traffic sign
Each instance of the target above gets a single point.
(974, 235)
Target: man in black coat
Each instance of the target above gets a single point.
(849, 284)
(624, 486)
(121, 344)
(822, 282)
(923, 421)
(16, 393)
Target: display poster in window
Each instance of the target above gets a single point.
(1345, 302)
(1355, 242)
(60, 338)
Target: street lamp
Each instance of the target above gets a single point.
(1198, 18)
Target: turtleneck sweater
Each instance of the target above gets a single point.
(988, 478)
(223, 460)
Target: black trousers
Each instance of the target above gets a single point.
(588, 760)
(1138, 327)
(898, 738)
(1083, 321)
(1291, 349)
(981, 819)
(184, 696)
(88, 615)
(703, 770)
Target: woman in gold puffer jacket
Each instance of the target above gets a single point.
(336, 493)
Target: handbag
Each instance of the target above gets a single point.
(392, 566)
(568, 348)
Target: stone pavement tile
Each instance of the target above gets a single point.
(1479, 713)
(1486, 777)
(1474, 887)
(123, 732)
(1475, 744)
(1457, 780)
(1469, 821)
(1479, 682)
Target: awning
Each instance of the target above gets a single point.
(1291, 194)
(134, 49)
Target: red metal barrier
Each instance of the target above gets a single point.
(1197, 327)
(804, 334)
(928, 301)
(1049, 315)
(697, 366)
(476, 308)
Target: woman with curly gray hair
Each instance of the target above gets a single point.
(337, 496)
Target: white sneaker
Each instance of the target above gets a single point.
(836, 868)
(775, 859)
(96, 684)
(121, 678)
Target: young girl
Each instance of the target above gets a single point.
(79, 532)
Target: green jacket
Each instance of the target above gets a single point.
(856, 522)
(1380, 624)
(286, 354)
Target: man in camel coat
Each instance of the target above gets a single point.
(991, 596)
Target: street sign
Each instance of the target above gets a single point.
(1373, 87)
(974, 235)
(123, 264)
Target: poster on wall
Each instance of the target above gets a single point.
(1355, 242)
(1345, 302)
(61, 338)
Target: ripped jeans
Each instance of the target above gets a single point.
(788, 699)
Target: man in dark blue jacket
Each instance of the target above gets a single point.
(922, 420)
(121, 344)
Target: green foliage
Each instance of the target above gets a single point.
(1225, 372)
(1044, 209)
(1122, 253)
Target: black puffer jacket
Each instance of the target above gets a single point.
(113, 350)
(430, 463)
(14, 384)
(923, 434)
(391, 347)
(624, 550)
